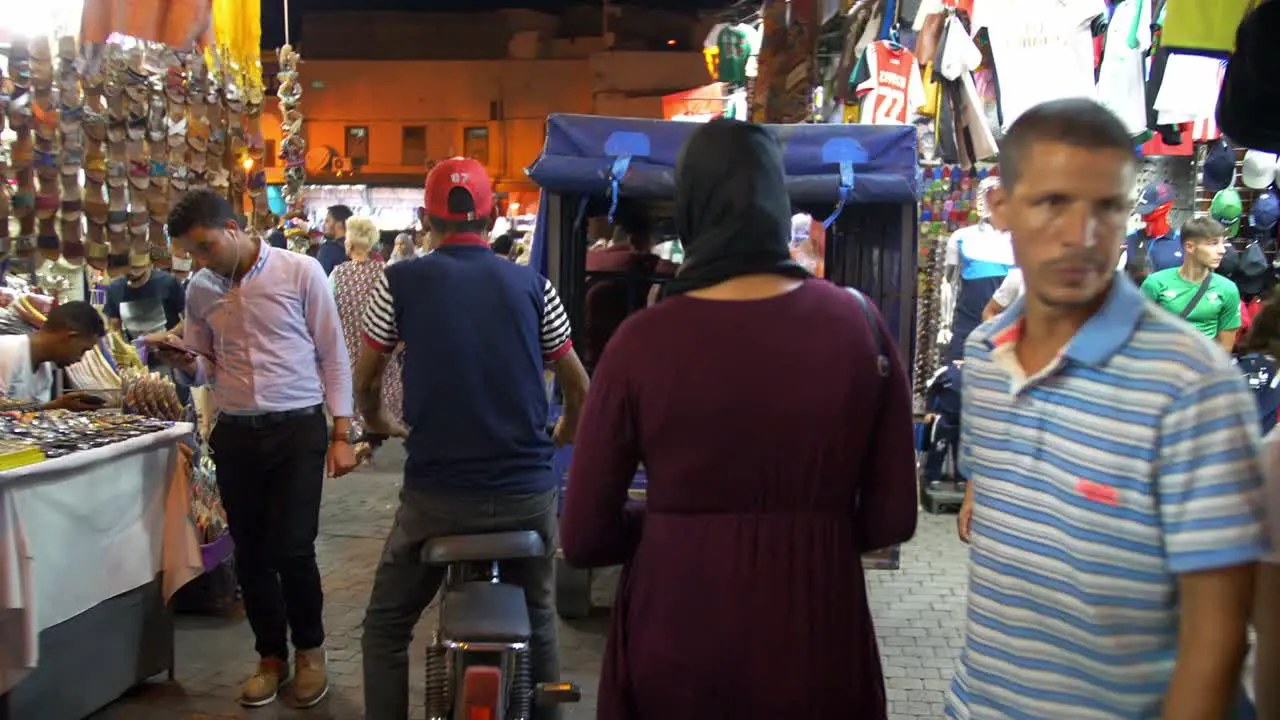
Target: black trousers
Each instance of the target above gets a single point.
(271, 477)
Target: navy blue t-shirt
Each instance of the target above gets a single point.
(478, 331)
(331, 254)
(157, 305)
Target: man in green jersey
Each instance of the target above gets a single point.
(1194, 291)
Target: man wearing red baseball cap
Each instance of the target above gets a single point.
(478, 332)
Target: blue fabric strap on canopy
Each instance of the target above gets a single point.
(843, 152)
(622, 146)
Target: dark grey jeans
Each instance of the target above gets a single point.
(403, 585)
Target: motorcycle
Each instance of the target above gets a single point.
(478, 664)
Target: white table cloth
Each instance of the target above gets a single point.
(83, 528)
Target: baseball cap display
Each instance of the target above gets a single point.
(1219, 166)
(445, 179)
(1258, 170)
(1153, 196)
(1253, 277)
(1264, 213)
(1227, 208)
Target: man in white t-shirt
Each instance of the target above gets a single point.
(27, 361)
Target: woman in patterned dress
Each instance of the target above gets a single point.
(353, 283)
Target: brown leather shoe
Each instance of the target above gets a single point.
(263, 685)
(310, 677)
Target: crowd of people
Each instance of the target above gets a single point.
(1115, 508)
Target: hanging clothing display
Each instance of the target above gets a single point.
(1205, 26)
(1192, 90)
(1029, 39)
(887, 82)
(970, 133)
(735, 45)
(1122, 78)
(237, 28)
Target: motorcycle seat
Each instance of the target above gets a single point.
(486, 547)
(484, 612)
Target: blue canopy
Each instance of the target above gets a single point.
(583, 154)
(830, 165)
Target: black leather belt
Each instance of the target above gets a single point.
(269, 418)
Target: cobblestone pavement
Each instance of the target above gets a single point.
(918, 612)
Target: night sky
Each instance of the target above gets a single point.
(273, 10)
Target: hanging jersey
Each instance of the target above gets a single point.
(734, 43)
(887, 81)
(1205, 129)
(1204, 28)
(1030, 39)
(1122, 85)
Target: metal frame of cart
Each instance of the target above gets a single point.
(864, 178)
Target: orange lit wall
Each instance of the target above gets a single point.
(510, 98)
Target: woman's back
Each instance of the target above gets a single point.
(754, 406)
(776, 454)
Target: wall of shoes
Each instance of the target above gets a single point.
(101, 140)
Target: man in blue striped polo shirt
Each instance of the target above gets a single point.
(1114, 504)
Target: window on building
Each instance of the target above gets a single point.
(357, 147)
(413, 146)
(475, 144)
(269, 158)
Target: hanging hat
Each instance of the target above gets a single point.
(1258, 170)
(1227, 209)
(1264, 213)
(1219, 166)
(1153, 196)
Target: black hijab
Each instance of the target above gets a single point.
(733, 214)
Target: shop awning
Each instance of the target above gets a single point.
(582, 152)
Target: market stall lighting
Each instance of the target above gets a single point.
(47, 17)
(247, 163)
(671, 43)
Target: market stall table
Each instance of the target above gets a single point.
(92, 546)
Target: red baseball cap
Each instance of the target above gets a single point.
(462, 174)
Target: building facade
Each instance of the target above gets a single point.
(380, 108)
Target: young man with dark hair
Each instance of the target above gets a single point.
(333, 251)
(478, 332)
(262, 329)
(146, 300)
(1114, 500)
(1194, 291)
(27, 362)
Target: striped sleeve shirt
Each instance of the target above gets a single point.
(382, 334)
(1131, 459)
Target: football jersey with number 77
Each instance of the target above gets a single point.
(887, 83)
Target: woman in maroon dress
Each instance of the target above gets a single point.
(777, 453)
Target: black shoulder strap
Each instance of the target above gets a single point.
(1195, 300)
(873, 322)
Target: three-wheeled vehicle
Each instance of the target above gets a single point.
(862, 180)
